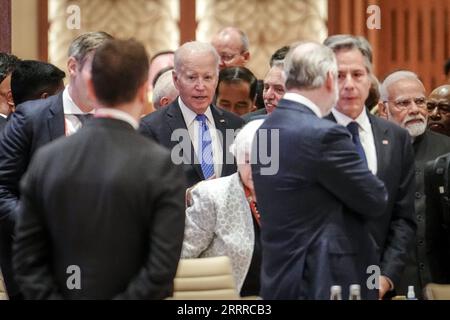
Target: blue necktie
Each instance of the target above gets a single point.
(353, 127)
(84, 117)
(205, 154)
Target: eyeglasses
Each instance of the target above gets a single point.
(441, 107)
(406, 103)
(226, 57)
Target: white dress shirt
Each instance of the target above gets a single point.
(193, 128)
(365, 135)
(72, 123)
(118, 115)
(303, 100)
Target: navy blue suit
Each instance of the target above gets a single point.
(161, 124)
(395, 230)
(315, 210)
(2, 123)
(34, 124)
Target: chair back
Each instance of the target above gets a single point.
(205, 279)
(434, 291)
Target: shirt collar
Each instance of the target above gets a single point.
(362, 120)
(189, 115)
(305, 101)
(117, 114)
(69, 105)
(3, 115)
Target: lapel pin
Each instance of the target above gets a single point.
(385, 142)
(222, 120)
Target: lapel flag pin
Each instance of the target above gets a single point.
(385, 142)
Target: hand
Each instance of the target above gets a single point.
(385, 286)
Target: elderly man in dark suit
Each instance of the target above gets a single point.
(198, 133)
(404, 103)
(102, 212)
(315, 210)
(386, 149)
(34, 124)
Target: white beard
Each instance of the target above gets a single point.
(415, 129)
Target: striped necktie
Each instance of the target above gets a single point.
(205, 154)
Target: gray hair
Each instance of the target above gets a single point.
(307, 64)
(164, 87)
(194, 47)
(277, 63)
(244, 38)
(348, 42)
(393, 78)
(242, 145)
(85, 43)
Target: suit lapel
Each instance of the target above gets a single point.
(382, 145)
(221, 125)
(55, 120)
(175, 121)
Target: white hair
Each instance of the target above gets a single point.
(307, 65)
(393, 78)
(164, 87)
(194, 47)
(242, 144)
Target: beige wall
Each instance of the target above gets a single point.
(25, 28)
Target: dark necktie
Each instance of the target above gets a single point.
(84, 117)
(205, 154)
(353, 127)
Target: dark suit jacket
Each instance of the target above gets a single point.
(258, 114)
(425, 259)
(34, 124)
(2, 124)
(315, 210)
(161, 124)
(109, 201)
(394, 231)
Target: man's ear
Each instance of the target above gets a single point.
(382, 110)
(164, 101)
(175, 79)
(329, 82)
(44, 95)
(72, 66)
(9, 99)
(246, 56)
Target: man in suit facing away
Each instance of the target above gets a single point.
(387, 150)
(31, 126)
(194, 129)
(105, 205)
(315, 210)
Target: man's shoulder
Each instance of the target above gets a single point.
(435, 143)
(40, 106)
(254, 115)
(438, 137)
(233, 121)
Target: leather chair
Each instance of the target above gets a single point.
(3, 294)
(434, 291)
(205, 279)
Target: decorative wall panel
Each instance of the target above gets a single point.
(154, 22)
(269, 24)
